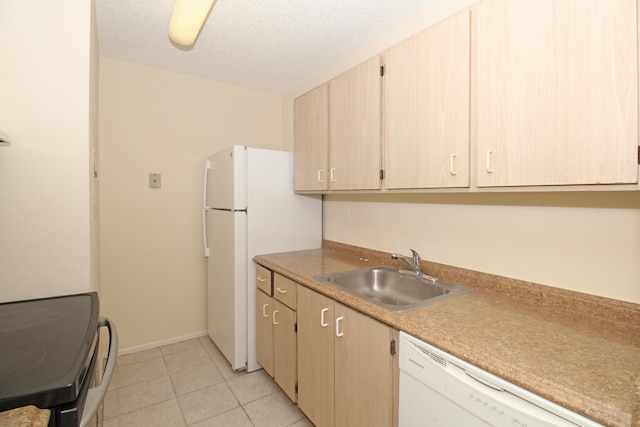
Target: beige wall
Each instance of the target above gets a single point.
(153, 272)
(584, 242)
(46, 245)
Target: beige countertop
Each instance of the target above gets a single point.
(578, 350)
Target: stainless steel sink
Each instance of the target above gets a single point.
(394, 289)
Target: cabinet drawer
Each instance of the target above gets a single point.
(264, 279)
(284, 290)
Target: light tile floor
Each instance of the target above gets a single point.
(191, 384)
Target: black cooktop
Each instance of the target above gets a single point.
(46, 346)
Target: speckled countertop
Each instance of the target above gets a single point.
(26, 416)
(580, 351)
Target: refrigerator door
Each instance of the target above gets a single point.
(278, 220)
(225, 179)
(227, 283)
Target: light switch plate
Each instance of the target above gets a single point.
(154, 180)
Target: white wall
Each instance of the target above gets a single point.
(584, 242)
(153, 272)
(45, 189)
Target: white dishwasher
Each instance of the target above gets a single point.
(440, 390)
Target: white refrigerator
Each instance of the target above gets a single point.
(249, 209)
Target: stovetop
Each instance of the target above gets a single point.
(46, 346)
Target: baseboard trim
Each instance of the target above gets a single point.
(156, 344)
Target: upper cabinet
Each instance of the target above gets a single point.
(354, 128)
(311, 140)
(527, 94)
(557, 92)
(337, 132)
(426, 108)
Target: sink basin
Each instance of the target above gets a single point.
(394, 289)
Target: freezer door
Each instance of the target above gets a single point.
(225, 179)
(227, 279)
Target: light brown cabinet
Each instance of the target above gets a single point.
(426, 108)
(354, 128)
(557, 92)
(276, 340)
(337, 132)
(535, 94)
(345, 366)
(311, 139)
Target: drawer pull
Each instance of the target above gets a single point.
(261, 279)
(282, 291)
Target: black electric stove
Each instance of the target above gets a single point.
(48, 353)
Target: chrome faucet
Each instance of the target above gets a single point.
(415, 267)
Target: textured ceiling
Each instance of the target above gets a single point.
(272, 46)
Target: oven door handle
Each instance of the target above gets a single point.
(96, 394)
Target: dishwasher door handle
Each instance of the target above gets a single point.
(95, 396)
(483, 381)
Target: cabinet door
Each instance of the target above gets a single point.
(315, 357)
(284, 348)
(354, 128)
(557, 94)
(311, 139)
(363, 370)
(264, 331)
(426, 108)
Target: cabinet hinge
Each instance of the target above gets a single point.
(639, 154)
(393, 347)
(296, 388)
(295, 327)
(382, 70)
(381, 173)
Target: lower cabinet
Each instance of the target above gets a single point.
(276, 329)
(345, 364)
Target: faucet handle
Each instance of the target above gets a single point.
(416, 257)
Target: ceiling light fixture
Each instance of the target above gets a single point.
(187, 20)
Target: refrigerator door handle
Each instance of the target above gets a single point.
(207, 166)
(204, 232)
